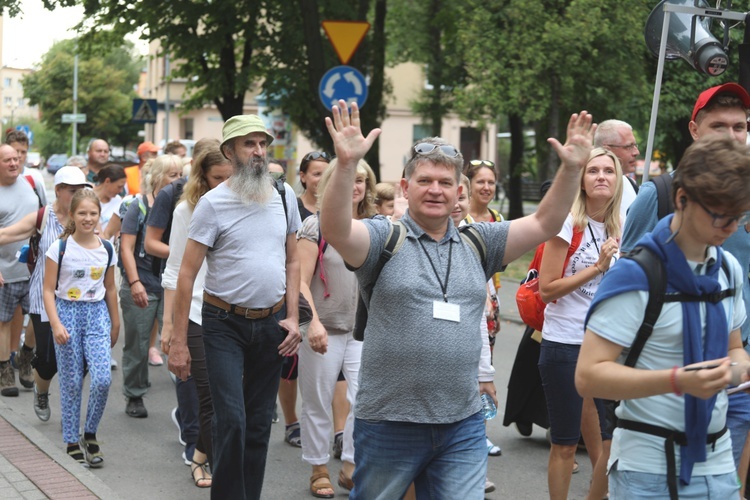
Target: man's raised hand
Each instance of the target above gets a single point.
(348, 141)
(579, 140)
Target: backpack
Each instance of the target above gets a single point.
(41, 222)
(142, 216)
(396, 236)
(530, 305)
(657, 296)
(663, 185)
(30, 180)
(61, 252)
(157, 263)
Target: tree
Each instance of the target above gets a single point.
(105, 92)
(539, 60)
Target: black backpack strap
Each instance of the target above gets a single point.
(473, 237)
(110, 252)
(663, 185)
(633, 183)
(657, 286)
(60, 254)
(279, 185)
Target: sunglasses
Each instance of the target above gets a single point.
(316, 155)
(482, 163)
(425, 148)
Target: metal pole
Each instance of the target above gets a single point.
(166, 103)
(657, 92)
(75, 102)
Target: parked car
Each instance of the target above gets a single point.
(34, 160)
(55, 162)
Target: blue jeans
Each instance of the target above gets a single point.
(625, 484)
(738, 422)
(244, 368)
(443, 460)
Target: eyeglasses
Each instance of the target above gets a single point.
(316, 155)
(482, 163)
(425, 148)
(632, 145)
(722, 221)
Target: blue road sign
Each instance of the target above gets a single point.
(144, 110)
(24, 128)
(342, 82)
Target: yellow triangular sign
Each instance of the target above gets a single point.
(345, 36)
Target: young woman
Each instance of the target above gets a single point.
(141, 292)
(110, 182)
(483, 179)
(311, 169)
(210, 168)
(68, 181)
(676, 387)
(331, 290)
(568, 290)
(81, 301)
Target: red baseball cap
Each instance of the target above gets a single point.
(707, 95)
(147, 147)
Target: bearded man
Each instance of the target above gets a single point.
(250, 305)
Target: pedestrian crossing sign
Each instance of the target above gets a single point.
(144, 110)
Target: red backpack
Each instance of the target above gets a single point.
(529, 303)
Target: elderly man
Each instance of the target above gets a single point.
(250, 308)
(17, 199)
(418, 408)
(719, 111)
(617, 136)
(98, 157)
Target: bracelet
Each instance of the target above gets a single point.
(673, 381)
(134, 282)
(596, 264)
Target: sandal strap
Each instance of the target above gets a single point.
(320, 475)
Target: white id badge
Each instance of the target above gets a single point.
(446, 311)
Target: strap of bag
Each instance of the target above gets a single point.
(60, 254)
(663, 185)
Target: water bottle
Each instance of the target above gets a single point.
(23, 254)
(488, 407)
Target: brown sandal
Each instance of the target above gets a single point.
(204, 480)
(345, 482)
(324, 483)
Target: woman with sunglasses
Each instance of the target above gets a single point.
(481, 174)
(568, 290)
(310, 171)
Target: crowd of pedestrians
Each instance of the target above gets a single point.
(377, 303)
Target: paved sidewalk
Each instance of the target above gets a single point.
(32, 467)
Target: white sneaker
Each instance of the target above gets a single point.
(489, 486)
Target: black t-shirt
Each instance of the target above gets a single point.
(304, 213)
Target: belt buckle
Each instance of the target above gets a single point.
(254, 313)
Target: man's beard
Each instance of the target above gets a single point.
(251, 181)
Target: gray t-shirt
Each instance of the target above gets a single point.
(416, 368)
(16, 201)
(134, 223)
(336, 311)
(246, 243)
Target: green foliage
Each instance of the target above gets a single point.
(105, 92)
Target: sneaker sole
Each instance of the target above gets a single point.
(9, 392)
(27, 384)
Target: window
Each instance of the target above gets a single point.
(8, 101)
(420, 132)
(20, 102)
(8, 82)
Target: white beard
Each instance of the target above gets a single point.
(252, 182)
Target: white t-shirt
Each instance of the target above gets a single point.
(637, 451)
(628, 196)
(108, 209)
(82, 272)
(563, 319)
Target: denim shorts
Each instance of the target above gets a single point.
(557, 367)
(626, 484)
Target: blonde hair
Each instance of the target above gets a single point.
(197, 184)
(158, 170)
(78, 197)
(366, 207)
(384, 191)
(611, 211)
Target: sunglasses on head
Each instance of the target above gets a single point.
(316, 155)
(425, 148)
(482, 163)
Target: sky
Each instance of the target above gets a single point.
(28, 36)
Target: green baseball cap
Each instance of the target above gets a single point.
(241, 125)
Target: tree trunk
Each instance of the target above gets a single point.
(434, 71)
(515, 167)
(547, 169)
(374, 112)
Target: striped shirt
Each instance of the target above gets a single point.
(50, 234)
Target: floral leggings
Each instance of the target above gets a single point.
(88, 325)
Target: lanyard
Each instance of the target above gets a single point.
(443, 286)
(593, 238)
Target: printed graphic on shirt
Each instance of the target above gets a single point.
(74, 293)
(79, 274)
(96, 273)
(91, 294)
(586, 256)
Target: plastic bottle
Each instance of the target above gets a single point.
(488, 407)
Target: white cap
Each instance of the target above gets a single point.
(72, 176)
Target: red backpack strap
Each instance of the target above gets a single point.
(30, 180)
(575, 242)
(40, 219)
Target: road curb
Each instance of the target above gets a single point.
(86, 477)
